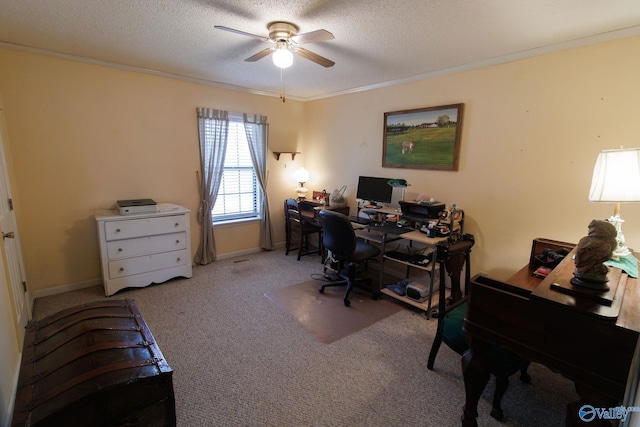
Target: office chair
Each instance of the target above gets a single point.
(295, 225)
(453, 254)
(339, 238)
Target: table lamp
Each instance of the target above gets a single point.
(616, 179)
(302, 176)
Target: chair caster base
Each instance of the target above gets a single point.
(347, 303)
(321, 289)
(469, 422)
(497, 414)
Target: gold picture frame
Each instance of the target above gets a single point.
(423, 138)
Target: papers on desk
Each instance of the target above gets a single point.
(542, 272)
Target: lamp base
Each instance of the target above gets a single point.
(621, 250)
(301, 192)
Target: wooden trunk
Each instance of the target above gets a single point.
(96, 364)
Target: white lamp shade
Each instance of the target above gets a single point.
(302, 175)
(282, 58)
(616, 176)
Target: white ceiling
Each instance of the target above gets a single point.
(377, 42)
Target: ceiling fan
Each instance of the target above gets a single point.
(285, 37)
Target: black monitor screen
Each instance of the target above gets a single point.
(374, 189)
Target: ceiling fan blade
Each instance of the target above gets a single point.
(242, 33)
(321, 60)
(260, 54)
(313, 36)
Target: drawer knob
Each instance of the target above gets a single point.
(117, 230)
(121, 269)
(119, 249)
(177, 241)
(178, 259)
(176, 224)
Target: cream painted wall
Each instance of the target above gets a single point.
(83, 136)
(532, 131)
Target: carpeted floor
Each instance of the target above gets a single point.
(240, 360)
(324, 314)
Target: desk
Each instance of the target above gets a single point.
(389, 233)
(568, 335)
(310, 210)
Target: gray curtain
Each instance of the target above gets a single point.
(213, 148)
(257, 130)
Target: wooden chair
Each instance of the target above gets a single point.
(297, 227)
(453, 255)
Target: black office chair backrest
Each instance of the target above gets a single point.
(337, 234)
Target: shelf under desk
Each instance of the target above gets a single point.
(384, 235)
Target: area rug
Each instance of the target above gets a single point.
(324, 315)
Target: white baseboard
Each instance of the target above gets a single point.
(245, 252)
(66, 288)
(96, 282)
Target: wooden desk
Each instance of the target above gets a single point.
(567, 333)
(310, 210)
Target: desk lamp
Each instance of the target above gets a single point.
(302, 176)
(399, 183)
(616, 179)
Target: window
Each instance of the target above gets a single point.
(239, 193)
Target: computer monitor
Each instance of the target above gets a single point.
(374, 189)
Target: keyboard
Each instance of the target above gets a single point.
(359, 220)
(417, 259)
(390, 228)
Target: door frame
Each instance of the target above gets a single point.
(11, 249)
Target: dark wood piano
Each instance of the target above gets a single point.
(588, 337)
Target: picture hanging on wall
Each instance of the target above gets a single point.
(423, 138)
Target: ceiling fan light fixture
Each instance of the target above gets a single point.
(282, 57)
(285, 37)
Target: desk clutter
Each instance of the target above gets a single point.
(434, 218)
(414, 289)
(549, 259)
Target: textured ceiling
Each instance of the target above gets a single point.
(376, 41)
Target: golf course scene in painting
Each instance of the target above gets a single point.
(424, 138)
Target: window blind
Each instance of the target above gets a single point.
(238, 196)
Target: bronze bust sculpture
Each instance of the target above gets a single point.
(592, 251)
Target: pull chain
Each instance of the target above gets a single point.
(282, 83)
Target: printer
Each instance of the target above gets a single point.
(420, 211)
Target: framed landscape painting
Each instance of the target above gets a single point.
(423, 138)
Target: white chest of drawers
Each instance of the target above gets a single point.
(140, 249)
